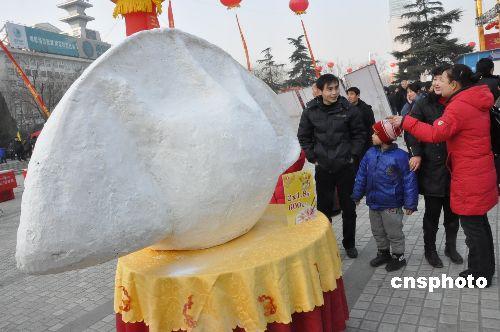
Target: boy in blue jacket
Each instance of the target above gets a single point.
(385, 178)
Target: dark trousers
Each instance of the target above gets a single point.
(478, 238)
(326, 182)
(433, 206)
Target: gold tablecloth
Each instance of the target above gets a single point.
(261, 277)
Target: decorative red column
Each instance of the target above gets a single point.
(139, 14)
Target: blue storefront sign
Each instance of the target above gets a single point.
(39, 40)
(53, 43)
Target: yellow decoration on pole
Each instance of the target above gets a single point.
(134, 6)
(300, 197)
(480, 29)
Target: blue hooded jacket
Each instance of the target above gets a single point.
(386, 180)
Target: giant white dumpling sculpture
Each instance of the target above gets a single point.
(166, 140)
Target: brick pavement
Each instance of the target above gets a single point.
(83, 300)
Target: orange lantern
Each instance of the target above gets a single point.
(299, 7)
(330, 64)
(231, 3)
(139, 14)
(349, 70)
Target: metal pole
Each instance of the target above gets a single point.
(480, 29)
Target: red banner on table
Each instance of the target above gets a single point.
(492, 41)
(7, 180)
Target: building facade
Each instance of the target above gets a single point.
(51, 59)
(51, 75)
(396, 9)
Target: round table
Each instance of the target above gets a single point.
(274, 278)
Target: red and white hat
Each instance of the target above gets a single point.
(386, 131)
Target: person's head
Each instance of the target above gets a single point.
(328, 84)
(485, 67)
(412, 90)
(404, 84)
(315, 91)
(353, 95)
(385, 133)
(455, 78)
(437, 74)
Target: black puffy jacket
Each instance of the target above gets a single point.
(434, 176)
(368, 120)
(493, 82)
(333, 135)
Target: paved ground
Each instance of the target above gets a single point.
(83, 300)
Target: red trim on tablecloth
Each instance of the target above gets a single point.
(330, 317)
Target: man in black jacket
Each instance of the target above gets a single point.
(434, 177)
(332, 134)
(484, 69)
(400, 98)
(366, 110)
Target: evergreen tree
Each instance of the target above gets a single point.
(427, 32)
(269, 71)
(302, 74)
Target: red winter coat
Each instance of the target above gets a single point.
(279, 191)
(465, 126)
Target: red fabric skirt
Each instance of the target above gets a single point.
(330, 317)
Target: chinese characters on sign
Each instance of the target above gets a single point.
(300, 196)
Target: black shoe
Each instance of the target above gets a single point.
(451, 251)
(433, 259)
(396, 262)
(466, 273)
(383, 256)
(351, 252)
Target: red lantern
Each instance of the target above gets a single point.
(372, 62)
(319, 69)
(392, 65)
(472, 44)
(349, 70)
(330, 64)
(231, 3)
(299, 7)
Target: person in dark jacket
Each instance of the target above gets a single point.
(385, 178)
(332, 135)
(434, 177)
(401, 96)
(353, 94)
(484, 72)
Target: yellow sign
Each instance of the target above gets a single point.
(300, 197)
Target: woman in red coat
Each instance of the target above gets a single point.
(465, 126)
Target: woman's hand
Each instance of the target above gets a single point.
(415, 163)
(396, 120)
(409, 212)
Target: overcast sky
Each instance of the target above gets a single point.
(339, 30)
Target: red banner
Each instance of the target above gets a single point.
(492, 41)
(7, 180)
